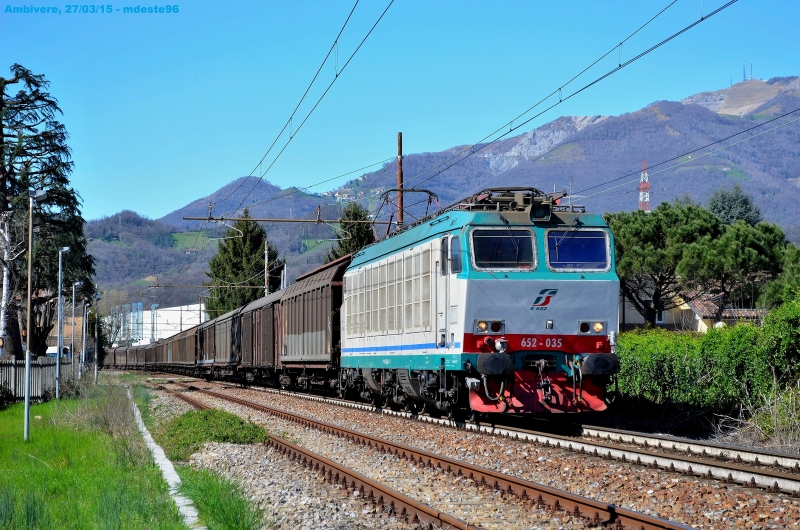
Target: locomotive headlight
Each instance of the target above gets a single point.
(598, 327)
(492, 327)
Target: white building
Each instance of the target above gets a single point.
(162, 322)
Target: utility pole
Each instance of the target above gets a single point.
(96, 339)
(82, 361)
(96, 332)
(399, 180)
(60, 322)
(72, 333)
(266, 265)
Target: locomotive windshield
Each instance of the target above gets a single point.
(577, 250)
(503, 249)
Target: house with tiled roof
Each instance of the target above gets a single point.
(693, 311)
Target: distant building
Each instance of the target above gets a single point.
(160, 323)
(697, 314)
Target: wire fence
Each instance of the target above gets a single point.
(43, 377)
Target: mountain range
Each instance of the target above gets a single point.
(596, 159)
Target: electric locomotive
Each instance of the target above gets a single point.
(506, 302)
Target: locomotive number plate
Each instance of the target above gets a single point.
(539, 342)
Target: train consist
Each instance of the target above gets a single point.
(505, 302)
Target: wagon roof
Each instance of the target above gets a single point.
(261, 302)
(335, 263)
(324, 275)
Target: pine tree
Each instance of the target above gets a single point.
(731, 205)
(650, 247)
(34, 155)
(355, 236)
(239, 262)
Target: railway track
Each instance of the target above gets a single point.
(373, 492)
(594, 512)
(768, 470)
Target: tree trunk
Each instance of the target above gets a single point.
(5, 242)
(13, 336)
(721, 307)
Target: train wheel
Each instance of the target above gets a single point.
(432, 411)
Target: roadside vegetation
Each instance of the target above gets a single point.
(220, 502)
(186, 434)
(739, 381)
(85, 466)
(742, 380)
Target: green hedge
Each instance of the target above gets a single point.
(718, 370)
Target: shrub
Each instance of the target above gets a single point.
(716, 371)
(6, 396)
(781, 340)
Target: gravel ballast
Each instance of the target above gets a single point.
(689, 500)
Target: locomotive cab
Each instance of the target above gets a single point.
(505, 302)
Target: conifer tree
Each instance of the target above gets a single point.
(239, 263)
(355, 236)
(651, 246)
(731, 205)
(34, 155)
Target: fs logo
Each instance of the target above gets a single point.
(545, 295)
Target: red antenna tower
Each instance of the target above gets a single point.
(644, 189)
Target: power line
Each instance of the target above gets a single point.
(298, 190)
(697, 158)
(690, 152)
(478, 146)
(344, 66)
(289, 121)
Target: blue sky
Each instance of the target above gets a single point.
(163, 109)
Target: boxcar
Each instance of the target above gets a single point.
(260, 332)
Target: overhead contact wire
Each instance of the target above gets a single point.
(688, 152)
(477, 147)
(289, 121)
(261, 177)
(697, 158)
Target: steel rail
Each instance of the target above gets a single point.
(694, 463)
(369, 490)
(596, 512)
(707, 449)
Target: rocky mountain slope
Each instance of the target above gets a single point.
(576, 153)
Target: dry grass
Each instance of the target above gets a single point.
(107, 409)
(769, 421)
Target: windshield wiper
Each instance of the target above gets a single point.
(577, 222)
(513, 240)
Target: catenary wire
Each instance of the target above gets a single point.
(291, 117)
(298, 189)
(689, 152)
(694, 159)
(479, 146)
(344, 66)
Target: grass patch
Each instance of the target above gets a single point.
(736, 175)
(142, 397)
(85, 466)
(186, 240)
(186, 434)
(219, 501)
(311, 244)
